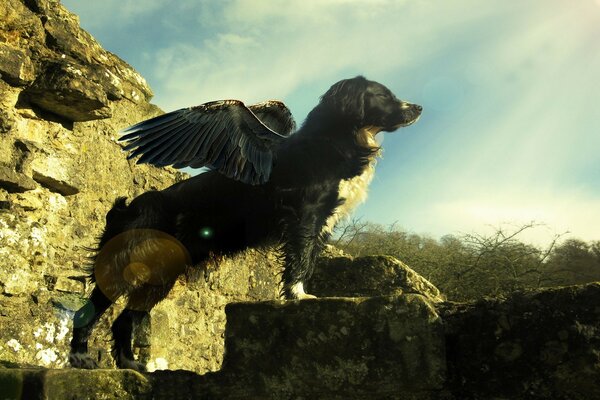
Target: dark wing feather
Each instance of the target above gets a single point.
(275, 115)
(223, 135)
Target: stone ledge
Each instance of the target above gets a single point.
(538, 344)
(345, 276)
(15, 182)
(66, 89)
(322, 347)
(15, 66)
(330, 348)
(34, 384)
(542, 344)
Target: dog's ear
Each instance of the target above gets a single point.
(347, 97)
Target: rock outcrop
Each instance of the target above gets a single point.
(62, 100)
(343, 276)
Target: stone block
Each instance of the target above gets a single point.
(15, 66)
(323, 347)
(368, 276)
(15, 182)
(65, 89)
(69, 285)
(40, 384)
(53, 172)
(542, 344)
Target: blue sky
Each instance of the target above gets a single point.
(511, 126)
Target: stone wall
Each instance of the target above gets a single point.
(540, 344)
(62, 100)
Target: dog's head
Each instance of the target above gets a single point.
(370, 104)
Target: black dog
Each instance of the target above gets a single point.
(264, 188)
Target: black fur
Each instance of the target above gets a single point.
(291, 209)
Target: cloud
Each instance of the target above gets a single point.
(468, 207)
(505, 90)
(258, 49)
(577, 213)
(112, 12)
(510, 125)
(304, 42)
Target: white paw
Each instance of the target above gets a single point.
(297, 292)
(304, 296)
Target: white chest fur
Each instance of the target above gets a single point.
(354, 191)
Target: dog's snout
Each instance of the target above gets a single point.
(405, 106)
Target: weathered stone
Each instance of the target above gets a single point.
(17, 282)
(66, 38)
(15, 182)
(317, 348)
(40, 6)
(368, 276)
(20, 27)
(46, 179)
(47, 224)
(194, 312)
(69, 285)
(541, 344)
(15, 66)
(4, 202)
(63, 88)
(77, 56)
(7, 121)
(536, 345)
(40, 384)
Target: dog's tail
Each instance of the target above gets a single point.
(116, 220)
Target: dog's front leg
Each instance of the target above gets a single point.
(302, 244)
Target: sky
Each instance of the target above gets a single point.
(510, 131)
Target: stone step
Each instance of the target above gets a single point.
(326, 346)
(542, 344)
(59, 384)
(321, 348)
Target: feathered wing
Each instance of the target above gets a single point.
(275, 115)
(223, 135)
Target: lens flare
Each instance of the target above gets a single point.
(84, 315)
(136, 273)
(206, 232)
(139, 264)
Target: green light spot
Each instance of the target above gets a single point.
(206, 233)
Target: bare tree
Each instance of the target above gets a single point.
(469, 266)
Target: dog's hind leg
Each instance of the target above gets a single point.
(83, 322)
(135, 320)
(123, 330)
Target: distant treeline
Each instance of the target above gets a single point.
(471, 266)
